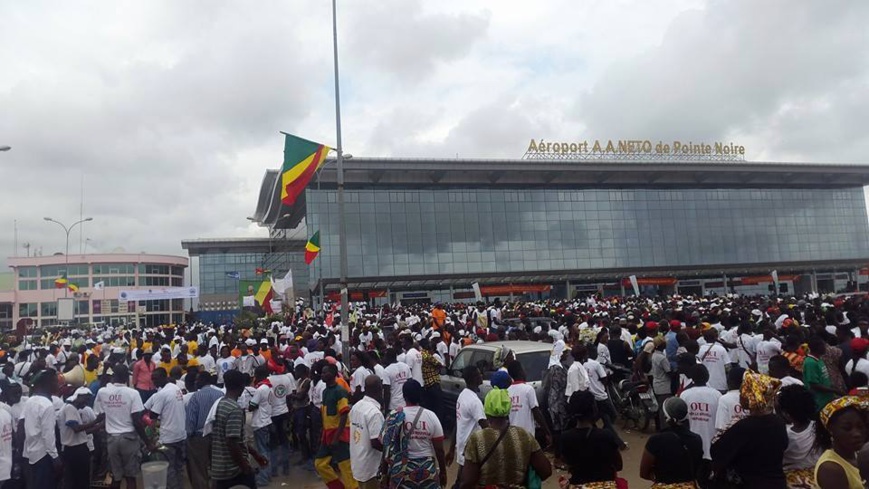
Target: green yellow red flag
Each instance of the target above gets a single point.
(312, 248)
(60, 282)
(302, 159)
(264, 296)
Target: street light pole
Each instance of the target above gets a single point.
(67, 230)
(342, 228)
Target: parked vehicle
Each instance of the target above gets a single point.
(633, 400)
(533, 355)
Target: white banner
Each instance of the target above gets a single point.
(634, 284)
(159, 294)
(477, 293)
(775, 280)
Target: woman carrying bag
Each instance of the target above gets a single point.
(503, 456)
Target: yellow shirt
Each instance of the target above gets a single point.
(192, 362)
(167, 366)
(192, 346)
(89, 376)
(851, 472)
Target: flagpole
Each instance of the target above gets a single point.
(342, 238)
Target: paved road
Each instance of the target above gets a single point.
(300, 478)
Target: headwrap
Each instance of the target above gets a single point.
(497, 403)
(675, 409)
(758, 392)
(501, 380)
(833, 407)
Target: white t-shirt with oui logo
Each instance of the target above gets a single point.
(702, 409)
(427, 429)
(119, 402)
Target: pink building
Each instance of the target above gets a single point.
(34, 293)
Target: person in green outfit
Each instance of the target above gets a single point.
(815, 374)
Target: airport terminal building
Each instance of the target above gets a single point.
(426, 229)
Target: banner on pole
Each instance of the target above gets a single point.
(775, 280)
(478, 294)
(159, 294)
(634, 284)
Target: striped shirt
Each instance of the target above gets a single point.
(197, 409)
(228, 423)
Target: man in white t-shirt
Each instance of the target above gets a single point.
(729, 408)
(366, 421)
(168, 404)
(225, 363)
(282, 386)
(470, 416)
(397, 373)
(413, 359)
(525, 409)
(780, 368)
(261, 419)
(715, 358)
(597, 379)
(73, 430)
(577, 377)
(359, 366)
(702, 402)
(6, 430)
(766, 348)
(125, 432)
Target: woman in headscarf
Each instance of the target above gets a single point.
(591, 453)
(500, 455)
(554, 385)
(673, 456)
(841, 433)
(750, 452)
(413, 444)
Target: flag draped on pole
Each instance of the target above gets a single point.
(312, 248)
(264, 296)
(99, 285)
(262, 271)
(72, 287)
(60, 282)
(302, 159)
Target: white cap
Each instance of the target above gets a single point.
(81, 391)
(264, 341)
(435, 335)
(250, 342)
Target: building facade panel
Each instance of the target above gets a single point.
(394, 232)
(35, 295)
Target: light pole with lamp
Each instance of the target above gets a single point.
(67, 230)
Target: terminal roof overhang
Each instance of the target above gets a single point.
(404, 173)
(207, 246)
(444, 281)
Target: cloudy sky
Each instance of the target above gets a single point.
(170, 110)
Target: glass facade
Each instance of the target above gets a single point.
(425, 232)
(213, 270)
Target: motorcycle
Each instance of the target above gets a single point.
(632, 400)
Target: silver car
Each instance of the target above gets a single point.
(533, 355)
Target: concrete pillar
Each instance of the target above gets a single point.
(622, 285)
(567, 293)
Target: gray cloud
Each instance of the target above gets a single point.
(171, 110)
(731, 69)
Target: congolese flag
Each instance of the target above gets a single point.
(264, 296)
(312, 248)
(302, 158)
(72, 287)
(60, 282)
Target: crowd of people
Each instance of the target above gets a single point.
(747, 392)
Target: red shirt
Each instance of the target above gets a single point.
(142, 375)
